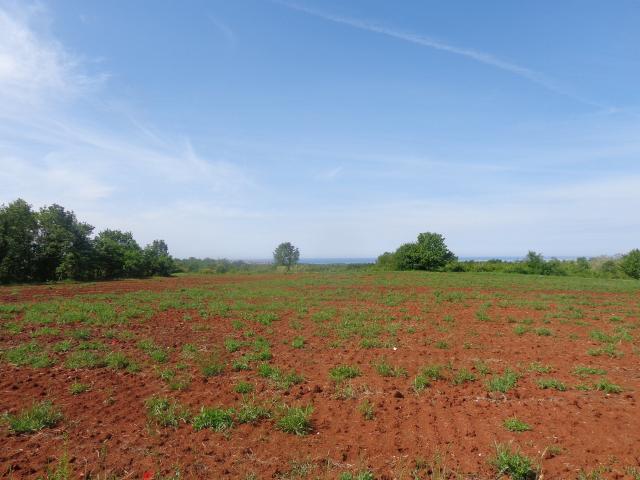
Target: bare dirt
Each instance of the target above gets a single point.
(106, 431)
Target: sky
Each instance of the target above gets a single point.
(344, 127)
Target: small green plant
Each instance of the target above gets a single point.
(552, 383)
(366, 408)
(211, 365)
(250, 412)
(606, 386)
(361, 475)
(513, 463)
(583, 371)
(442, 345)
(515, 425)
(385, 369)
(40, 415)
(295, 420)
(343, 372)
(520, 330)
(463, 376)
(218, 419)
(28, 354)
(232, 344)
(481, 367)
(77, 388)
(539, 367)
(426, 376)
(117, 361)
(165, 413)
(543, 332)
(298, 342)
(244, 387)
(84, 359)
(503, 383)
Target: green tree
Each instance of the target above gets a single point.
(63, 246)
(18, 230)
(630, 263)
(534, 262)
(286, 254)
(429, 253)
(118, 255)
(157, 259)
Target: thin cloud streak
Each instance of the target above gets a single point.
(478, 56)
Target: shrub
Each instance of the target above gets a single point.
(630, 264)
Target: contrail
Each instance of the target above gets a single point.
(481, 57)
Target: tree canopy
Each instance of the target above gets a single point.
(286, 255)
(52, 244)
(429, 253)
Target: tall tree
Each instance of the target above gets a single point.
(63, 246)
(18, 230)
(118, 255)
(286, 254)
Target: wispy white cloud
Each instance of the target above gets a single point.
(469, 53)
(33, 66)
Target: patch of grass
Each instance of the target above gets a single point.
(84, 359)
(343, 372)
(295, 420)
(28, 354)
(40, 415)
(584, 371)
(367, 409)
(298, 342)
(513, 463)
(44, 331)
(251, 412)
(442, 345)
(606, 386)
(515, 425)
(77, 388)
(211, 365)
(218, 419)
(428, 374)
(520, 330)
(385, 369)
(539, 367)
(503, 383)
(62, 346)
(165, 412)
(481, 367)
(463, 376)
(609, 350)
(232, 344)
(119, 361)
(361, 475)
(552, 383)
(156, 352)
(282, 380)
(543, 332)
(243, 387)
(81, 334)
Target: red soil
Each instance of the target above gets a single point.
(106, 431)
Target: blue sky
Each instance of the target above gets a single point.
(343, 127)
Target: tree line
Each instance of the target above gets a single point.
(52, 244)
(430, 252)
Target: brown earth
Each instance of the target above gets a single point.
(106, 432)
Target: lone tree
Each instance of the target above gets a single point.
(428, 253)
(286, 254)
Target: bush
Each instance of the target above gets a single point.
(429, 253)
(630, 264)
